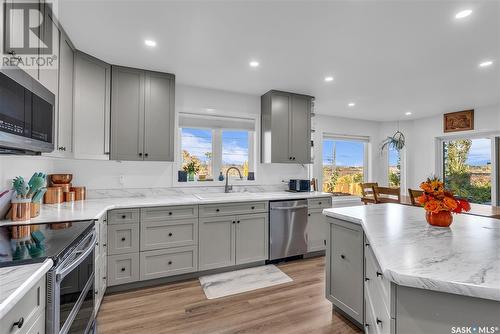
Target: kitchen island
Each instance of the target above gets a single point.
(390, 271)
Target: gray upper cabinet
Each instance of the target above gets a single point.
(142, 115)
(92, 82)
(286, 127)
(66, 67)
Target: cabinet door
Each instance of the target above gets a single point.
(317, 230)
(346, 269)
(127, 113)
(48, 73)
(251, 238)
(159, 117)
(91, 107)
(65, 114)
(280, 125)
(216, 242)
(300, 129)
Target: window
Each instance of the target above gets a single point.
(216, 143)
(235, 151)
(196, 146)
(394, 176)
(467, 168)
(343, 165)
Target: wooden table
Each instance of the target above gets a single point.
(475, 209)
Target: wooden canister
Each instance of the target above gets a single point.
(80, 193)
(69, 196)
(35, 209)
(21, 210)
(53, 195)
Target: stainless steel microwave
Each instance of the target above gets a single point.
(26, 114)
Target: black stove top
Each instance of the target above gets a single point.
(21, 244)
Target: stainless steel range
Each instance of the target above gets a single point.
(287, 229)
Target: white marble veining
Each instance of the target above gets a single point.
(463, 259)
(16, 281)
(94, 208)
(244, 280)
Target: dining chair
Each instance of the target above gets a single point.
(414, 194)
(387, 195)
(368, 192)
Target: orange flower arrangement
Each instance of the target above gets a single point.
(436, 199)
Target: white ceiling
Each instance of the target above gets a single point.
(389, 57)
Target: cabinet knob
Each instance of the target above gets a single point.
(234, 221)
(238, 222)
(169, 262)
(123, 239)
(217, 210)
(170, 213)
(342, 256)
(379, 322)
(367, 325)
(146, 155)
(290, 158)
(253, 207)
(367, 244)
(96, 292)
(379, 274)
(123, 269)
(308, 215)
(170, 234)
(104, 277)
(19, 323)
(140, 154)
(366, 279)
(124, 216)
(293, 158)
(103, 245)
(319, 203)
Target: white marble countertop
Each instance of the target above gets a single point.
(16, 281)
(94, 208)
(463, 259)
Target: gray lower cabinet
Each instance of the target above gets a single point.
(317, 230)
(123, 268)
(286, 127)
(345, 268)
(91, 119)
(168, 262)
(142, 115)
(229, 240)
(168, 234)
(123, 238)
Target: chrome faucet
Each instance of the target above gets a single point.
(228, 188)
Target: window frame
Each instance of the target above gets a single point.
(366, 163)
(388, 157)
(495, 162)
(216, 160)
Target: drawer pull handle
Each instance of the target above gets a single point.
(123, 239)
(170, 213)
(124, 216)
(379, 322)
(217, 210)
(170, 234)
(169, 262)
(367, 325)
(342, 256)
(19, 323)
(123, 269)
(366, 279)
(367, 244)
(103, 245)
(379, 274)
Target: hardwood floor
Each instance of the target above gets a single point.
(295, 307)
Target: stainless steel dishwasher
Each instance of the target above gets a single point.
(287, 229)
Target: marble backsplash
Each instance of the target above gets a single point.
(157, 192)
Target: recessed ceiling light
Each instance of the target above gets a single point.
(254, 63)
(328, 79)
(463, 14)
(486, 63)
(351, 104)
(150, 42)
(408, 113)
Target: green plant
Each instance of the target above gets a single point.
(396, 141)
(192, 167)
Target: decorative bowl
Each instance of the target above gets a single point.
(60, 178)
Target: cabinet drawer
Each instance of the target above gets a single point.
(319, 203)
(123, 238)
(169, 213)
(168, 262)
(123, 268)
(123, 216)
(168, 234)
(377, 319)
(38, 326)
(211, 210)
(28, 309)
(375, 282)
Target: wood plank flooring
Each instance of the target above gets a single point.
(295, 307)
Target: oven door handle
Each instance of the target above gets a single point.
(66, 269)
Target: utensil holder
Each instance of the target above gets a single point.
(35, 209)
(21, 210)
